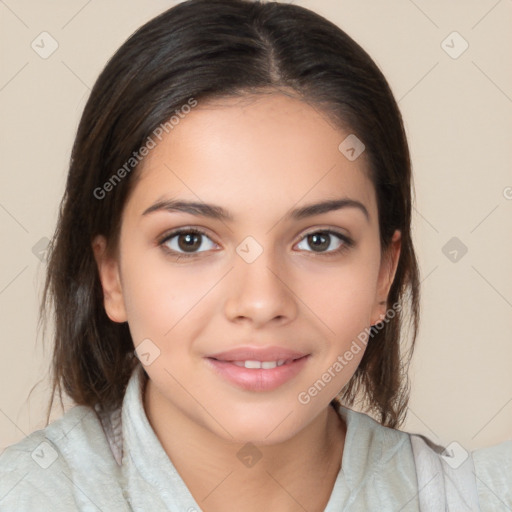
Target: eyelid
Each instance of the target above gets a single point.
(184, 229)
(326, 229)
(347, 241)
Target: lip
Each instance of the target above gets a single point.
(257, 379)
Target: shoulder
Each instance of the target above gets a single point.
(50, 468)
(378, 464)
(386, 448)
(481, 479)
(493, 470)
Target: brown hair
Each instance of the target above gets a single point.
(206, 49)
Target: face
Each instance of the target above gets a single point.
(270, 277)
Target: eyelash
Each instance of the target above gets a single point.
(347, 242)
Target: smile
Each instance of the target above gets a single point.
(266, 365)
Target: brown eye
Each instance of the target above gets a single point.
(189, 241)
(186, 242)
(322, 241)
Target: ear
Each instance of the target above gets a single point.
(108, 269)
(388, 266)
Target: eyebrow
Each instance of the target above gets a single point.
(219, 213)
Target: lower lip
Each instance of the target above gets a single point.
(258, 379)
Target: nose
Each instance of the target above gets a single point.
(260, 292)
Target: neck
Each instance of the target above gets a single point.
(301, 470)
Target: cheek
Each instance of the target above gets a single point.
(342, 300)
(342, 303)
(157, 295)
(342, 295)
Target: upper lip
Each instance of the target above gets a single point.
(257, 354)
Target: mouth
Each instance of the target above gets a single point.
(255, 364)
(255, 375)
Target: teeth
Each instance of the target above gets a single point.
(252, 364)
(266, 365)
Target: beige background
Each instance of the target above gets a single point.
(458, 115)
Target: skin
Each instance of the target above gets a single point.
(258, 157)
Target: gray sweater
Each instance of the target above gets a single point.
(116, 463)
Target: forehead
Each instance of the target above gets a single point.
(259, 152)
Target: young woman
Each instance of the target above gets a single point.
(231, 271)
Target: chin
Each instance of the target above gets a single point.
(259, 437)
(260, 428)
